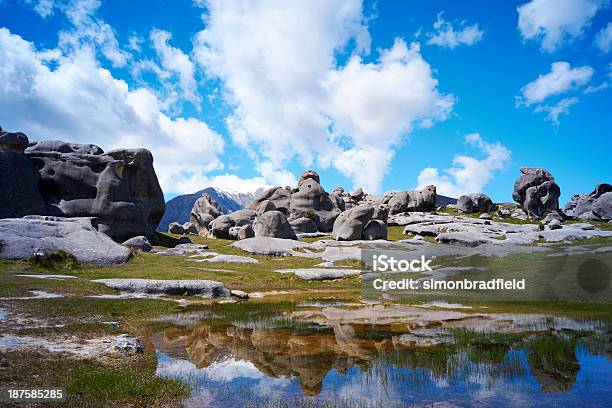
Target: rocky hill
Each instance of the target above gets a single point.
(179, 208)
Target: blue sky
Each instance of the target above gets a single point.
(384, 95)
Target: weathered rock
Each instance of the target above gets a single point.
(519, 214)
(19, 194)
(233, 232)
(311, 200)
(221, 258)
(375, 229)
(485, 216)
(279, 196)
(270, 246)
(504, 212)
(421, 200)
(470, 239)
(602, 207)
(242, 217)
(204, 288)
(140, 243)
(316, 274)
(30, 236)
(184, 248)
(350, 224)
(551, 217)
(16, 141)
(473, 203)
(581, 205)
(554, 224)
(246, 231)
(358, 195)
(309, 174)
(119, 189)
(187, 228)
(239, 294)
(303, 225)
(220, 227)
(264, 206)
(536, 191)
(204, 210)
(381, 213)
(126, 344)
(273, 224)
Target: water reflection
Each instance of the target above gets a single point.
(257, 355)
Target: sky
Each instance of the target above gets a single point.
(382, 95)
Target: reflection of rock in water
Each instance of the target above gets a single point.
(377, 337)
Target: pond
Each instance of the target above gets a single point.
(333, 354)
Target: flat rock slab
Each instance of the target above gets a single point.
(228, 259)
(321, 273)
(50, 277)
(31, 236)
(270, 246)
(204, 288)
(183, 250)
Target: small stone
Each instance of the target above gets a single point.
(554, 224)
(485, 216)
(126, 344)
(239, 294)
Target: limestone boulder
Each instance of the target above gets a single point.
(204, 210)
(304, 225)
(273, 224)
(279, 196)
(475, 203)
(537, 192)
(350, 224)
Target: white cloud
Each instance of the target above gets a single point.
(445, 35)
(604, 38)
(77, 100)
(552, 22)
(176, 61)
(44, 8)
(87, 29)
(468, 174)
(561, 78)
(290, 99)
(554, 111)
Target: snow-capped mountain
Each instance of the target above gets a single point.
(179, 208)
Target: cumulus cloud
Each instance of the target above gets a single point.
(561, 78)
(552, 22)
(290, 98)
(468, 174)
(176, 61)
(87, 29)
(603, 39)
(554, 111)
(445, 35)
(75, 99)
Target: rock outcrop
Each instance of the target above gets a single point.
(279, 196)
(596, 205)
(204, 210)
(406, 201)
(204, 288)
(536, 191)
(273, 224)
(220, 227)
(34, 236)
(187, 228)
(475, 203)
(311, 200)
(303, 225)
(350, 224)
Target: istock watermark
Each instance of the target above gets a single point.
(485, 274)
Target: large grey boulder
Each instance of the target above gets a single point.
(475, 203)
(220, 227)
(581, 205)
(19, 194)
(265, 206)
(303, 225)
(204, 210)
(381, 213)
(118, 189)
(31, 236)
(273, 224)
(204, 288)
(242, 217)
(602, 207)
(406, 201)
(310, 174)
(350, 224)
(536, 191)
(279, 196)
(310, 199)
